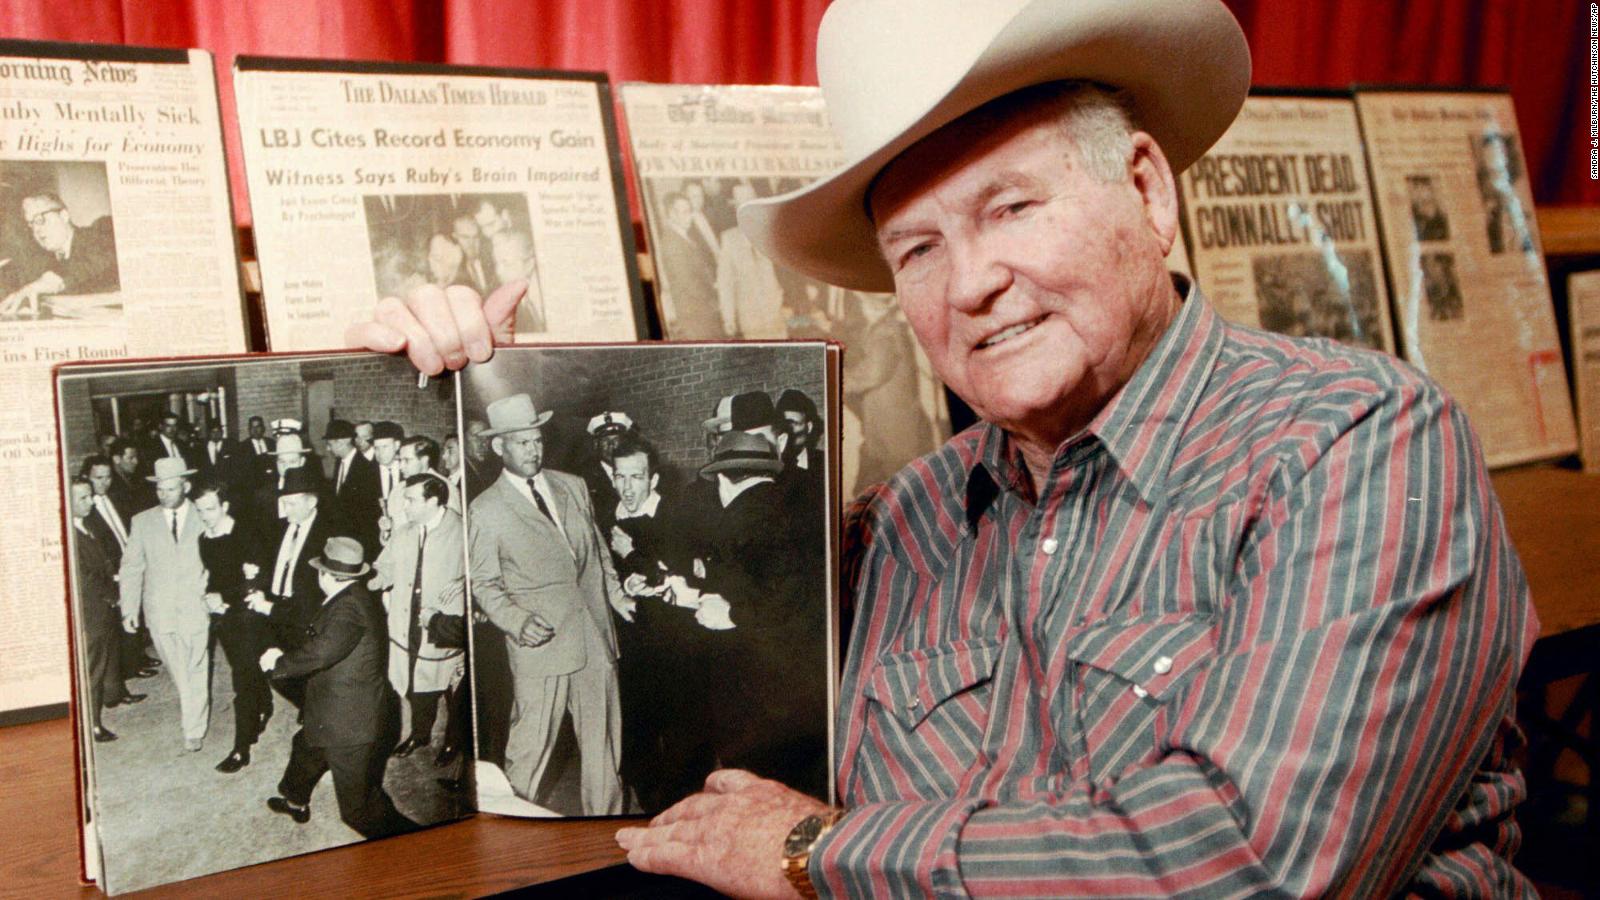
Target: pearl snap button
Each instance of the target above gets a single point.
(1163, 665)
(1049, 545)
(1140, 692)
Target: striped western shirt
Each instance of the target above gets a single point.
(1257, 633)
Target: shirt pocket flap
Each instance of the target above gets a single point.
(1155, 655)
(911, 684)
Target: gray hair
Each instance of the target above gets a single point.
(1097, 120)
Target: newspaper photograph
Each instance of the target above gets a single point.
(1281, 225)
(116, 240)
(658, 577)
(700, 151)
(1472, 302)
(369, 179)
(272, 585)
(1583, 317)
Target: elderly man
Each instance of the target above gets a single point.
(163, 581)
(1196, 610)
(542, 574)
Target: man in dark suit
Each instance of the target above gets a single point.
(216, 456)
(109, 523)
(258, 444)
(765, 571)
(290, 597)
(166, 442)
(349, 706)
(70, 259)
(128, 488)
(353, 499)
(94, 589)
(288, 455)
(542, 574)
(688, 277)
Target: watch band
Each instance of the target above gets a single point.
(797, 848)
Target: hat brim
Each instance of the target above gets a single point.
(320, 566)
(538, 422)
(1185, 66)
(183, 474)
(764, 466)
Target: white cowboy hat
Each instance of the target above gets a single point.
(895, 71)
(169, 467)
(513, 413)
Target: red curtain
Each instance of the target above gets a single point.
(1538, 50)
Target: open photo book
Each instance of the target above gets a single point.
(314, 602)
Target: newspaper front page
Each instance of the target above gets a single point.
(369, 179)
(1281, 225)
(699, 152)
(1583, 316)
(116, 240)
(1471, 295)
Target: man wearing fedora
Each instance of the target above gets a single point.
(349, 705)
(1195, 610)
(542, 574)
(288, 593)
(353, 498)
(163, 582)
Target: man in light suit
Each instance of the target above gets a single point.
(542, 574)
(422, 570)
(163, 580)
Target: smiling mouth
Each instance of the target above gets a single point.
(1001, 337)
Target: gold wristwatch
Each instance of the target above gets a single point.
(797, 850)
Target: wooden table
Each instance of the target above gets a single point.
(484, 855)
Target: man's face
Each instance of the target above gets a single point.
(217, 434)
(512, 259)
(258, 429)
(418, 507)
(606, 445)
(82, 497)
(465, 231)
(384, 450)
(521, 451)
(100, 479)
(363, 436)
(410, 463)
(680, 213)
(633, 480)
(287, 461)
(799, 426)
(451, 451)
(444, 258)
(488, 220)
(298, 507)
(128, 462)
(169, 427)
(171, 491)
(211, 509)
(339, 448)
(477, 444)
(49, 221)
(1035, 289)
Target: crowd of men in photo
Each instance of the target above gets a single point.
(336, 584)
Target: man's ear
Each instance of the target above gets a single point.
(1152, 178)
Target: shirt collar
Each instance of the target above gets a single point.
(648, 508)
(1141, 425)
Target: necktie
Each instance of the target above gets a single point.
(280, 585)
(344, 466)
(172, 514)
(539, 502)
(414, 632)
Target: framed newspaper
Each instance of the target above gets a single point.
(701, 150)
(1280, 222)
(367, 178)
(116, 240)
(1583, 319)
(1472, 301)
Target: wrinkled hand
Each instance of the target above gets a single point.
(440, 328)
(536, 632)
(729, 836)
(269, 658)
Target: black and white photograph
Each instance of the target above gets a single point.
(478, 240)
(58, 246)
(649, 570)
(269, 594)
(716, 285)
(1499, 170)
(1439, 285)
(1330, 294)
(1427, 214)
